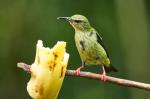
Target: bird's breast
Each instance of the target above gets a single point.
(87, 49)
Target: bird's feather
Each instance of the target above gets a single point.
(100, 41)
(110, 68)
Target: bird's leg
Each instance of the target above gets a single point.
(78, 69)
(103, 77)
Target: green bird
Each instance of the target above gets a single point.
(90, 45)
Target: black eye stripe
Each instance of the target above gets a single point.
(78, 21)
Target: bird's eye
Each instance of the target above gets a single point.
(78, 21)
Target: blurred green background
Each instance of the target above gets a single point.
(125, 28)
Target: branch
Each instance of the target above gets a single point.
(118, 81)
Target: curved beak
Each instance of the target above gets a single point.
(65, 18)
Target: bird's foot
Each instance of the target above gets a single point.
(78, 70)
(103, 77)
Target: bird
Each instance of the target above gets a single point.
(90, 45)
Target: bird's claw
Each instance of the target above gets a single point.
(77, 71)
(103, 77)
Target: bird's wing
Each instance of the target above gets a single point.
(100, 41)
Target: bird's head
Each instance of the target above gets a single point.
(79, 22)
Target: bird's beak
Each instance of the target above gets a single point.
(65, 18)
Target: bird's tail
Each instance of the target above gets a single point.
(110, 68)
